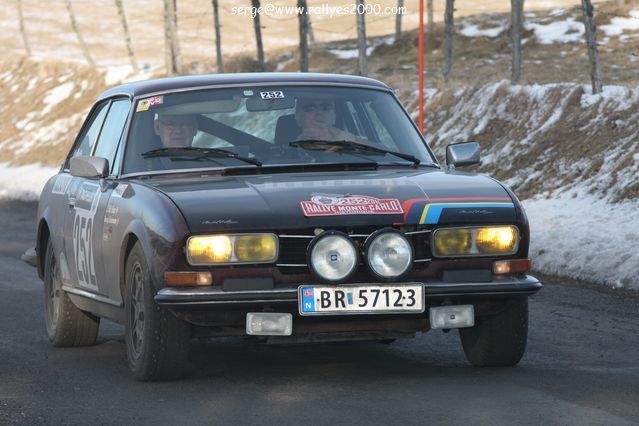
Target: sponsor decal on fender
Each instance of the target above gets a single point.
(335, 205)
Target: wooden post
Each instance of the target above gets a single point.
(173, 56)
(430, 21)
(23, 30)
(420, 66)
(450, 32)
(83, 45)
(258, 35)
(398, 20)
(361, 37)
(127, 35)
(516, 13)
(311, 33)
(303, 22)
(218, 37)
(591, 42)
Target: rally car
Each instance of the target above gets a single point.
(288, 207)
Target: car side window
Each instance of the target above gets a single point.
(91, 131)
(112, 130)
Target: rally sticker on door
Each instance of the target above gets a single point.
(331, 205)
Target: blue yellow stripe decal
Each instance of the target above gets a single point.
(432, 211)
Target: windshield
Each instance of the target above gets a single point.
(267, 126)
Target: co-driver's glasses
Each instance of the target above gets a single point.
(324, 107)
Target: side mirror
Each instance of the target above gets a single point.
(89, 167)
(462, 154)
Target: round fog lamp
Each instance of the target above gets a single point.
(333, 256)
(389, 254)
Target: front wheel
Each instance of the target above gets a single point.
(498, 340)
(66, 324)
(157, 342)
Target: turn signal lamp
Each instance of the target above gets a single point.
(188, 278)
(477, 241)
(230, 249)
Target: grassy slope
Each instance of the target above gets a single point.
(576, 138)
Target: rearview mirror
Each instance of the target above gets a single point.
(462, 154)
(89, 167)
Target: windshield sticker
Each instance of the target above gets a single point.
(275, 94)
(331, 205)
(145, 104)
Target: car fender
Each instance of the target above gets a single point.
(150, 217)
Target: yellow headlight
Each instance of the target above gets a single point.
(209, 249)
(453, 242)
(496, 240)
(475, 241)
(255, 248)
(238, 248)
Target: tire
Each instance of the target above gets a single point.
(498, 340)
(157, 343)
(66, 325)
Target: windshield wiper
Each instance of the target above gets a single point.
(198, 153)
(319, 144)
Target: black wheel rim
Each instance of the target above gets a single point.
(136, 321)
(53, 291)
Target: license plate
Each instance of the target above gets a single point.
(361, 299)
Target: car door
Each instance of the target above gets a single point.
(88, 200)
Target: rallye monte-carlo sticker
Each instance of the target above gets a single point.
(335, 205)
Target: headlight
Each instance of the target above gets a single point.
(227, 249)
(333, 256)
(479, 241)
(497, 240)
(452, 242)
(388, 254)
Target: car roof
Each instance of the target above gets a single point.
(147, 87)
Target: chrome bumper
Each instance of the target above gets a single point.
(215, 296)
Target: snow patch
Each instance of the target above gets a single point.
(620, 24)
(472, 30)
(567, 31)
(585, 238)
(24, 182)
(57, 95)
(350, 53)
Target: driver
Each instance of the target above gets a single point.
(175, 130)
(316, 117)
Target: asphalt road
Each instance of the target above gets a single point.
(581, 367)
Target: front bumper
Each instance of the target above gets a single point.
(195, 297)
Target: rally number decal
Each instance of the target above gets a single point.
(85, 209)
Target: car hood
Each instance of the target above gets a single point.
(278, 202)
